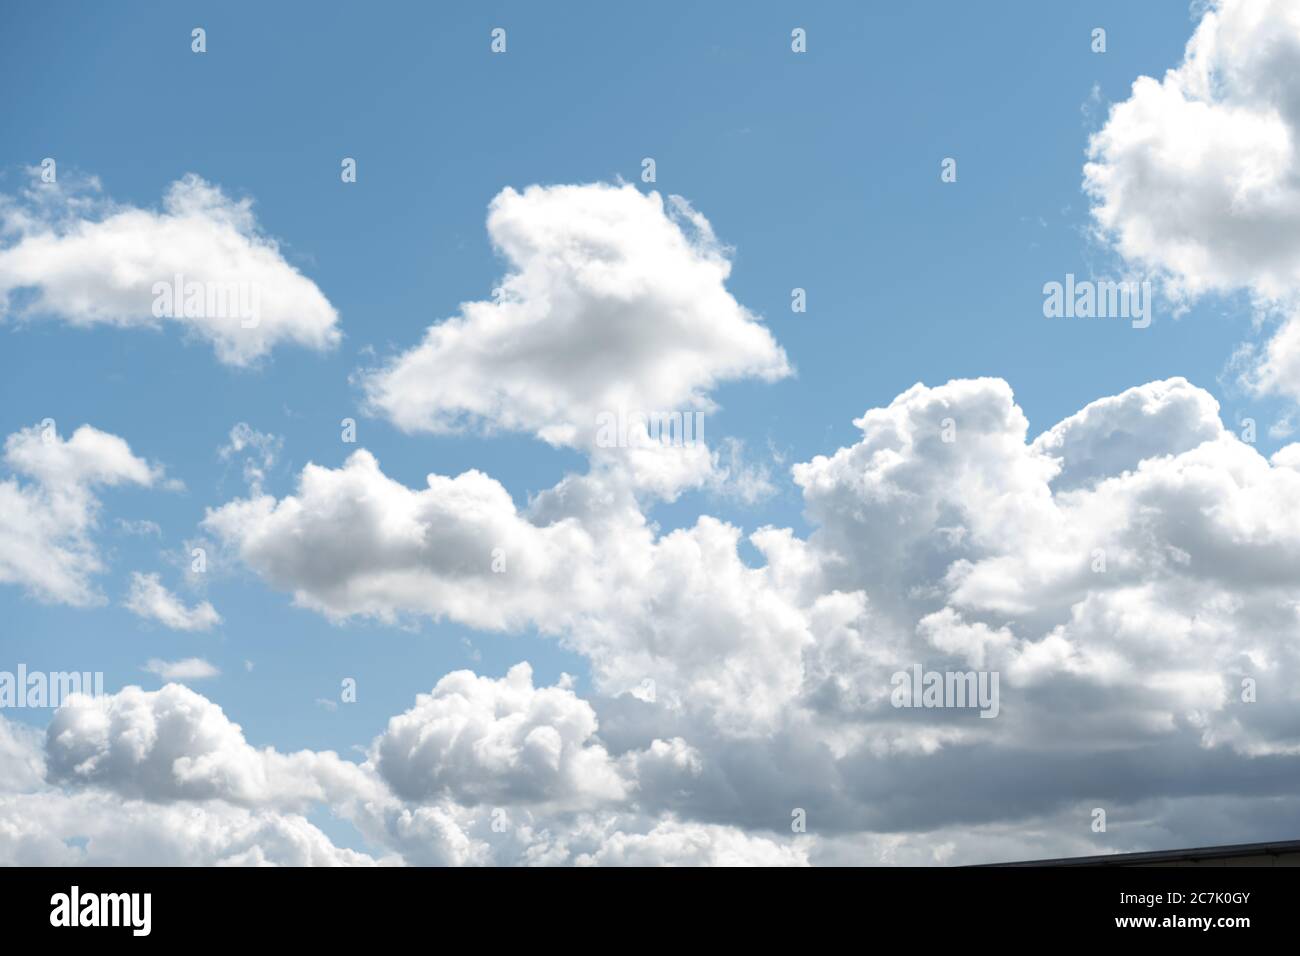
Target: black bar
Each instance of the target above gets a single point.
(673, 906)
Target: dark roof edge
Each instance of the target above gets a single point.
(1166, 856)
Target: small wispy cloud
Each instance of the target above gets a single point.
(149, 599)
(191, 668)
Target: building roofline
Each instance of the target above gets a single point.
(1167, 856)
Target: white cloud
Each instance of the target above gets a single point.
(615, 304)
(769, 685)
(982, 550)
(152, 601)
(89, 261)
(671, 843)
(946, 536)
(1134, 598)
(259, 450)
(142, 527)
(191, 668)
(1113, 435)
(737, 478)
(53, 828)
(478, 740)
(940, 473)
(1193, 176)
(175, 744)
(458, 836)
(162, 778)
(46, 522)
(1123, 572)
(712, 632)
(22, 764)
(89, 457)
(354, 542)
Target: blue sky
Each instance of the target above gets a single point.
(819, 171)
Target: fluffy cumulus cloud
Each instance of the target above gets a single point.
(68, 253)
(174, 744)
(1114, 435)
(353, 541)
(151, 600)
(165, 778)
(1129, 577)
(93, 828)
(1133, 587)
(1153, 573)
(614, 300)
(612, 325)
(49, 507)
(1127, 574)
(478, 740)
(1194, 175)
(119, 803)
